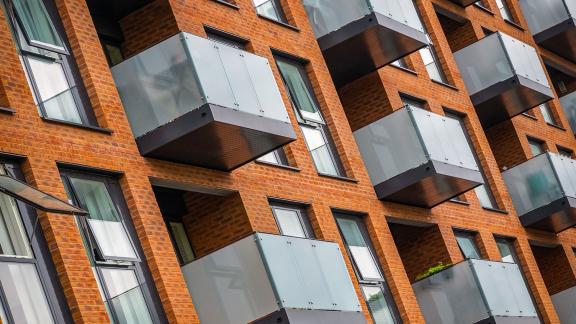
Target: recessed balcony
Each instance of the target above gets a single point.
(267, 278)
(195, 101)
(418, 158)
(543, 190)
(564, 305)
(360, 36)
(553, 25)
(503, 76)
(476, 291)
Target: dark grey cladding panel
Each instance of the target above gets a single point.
(367, 44)
(555, 217)
(216, 137)
(509, 98)
(560, 39)
(297, 316)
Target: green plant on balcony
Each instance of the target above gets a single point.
(432, 270)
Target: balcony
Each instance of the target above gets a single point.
(464, 3)
(476, 291)
(553, 24)
(564, 305)
(504, 77)
(360, 36)
(543, 190)
(266, 278)
(418, 158)
(192, 100)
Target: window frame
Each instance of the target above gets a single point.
(63, 57)
(321, 126)
(461, 118)
(535, 142)
(40, 258)
(302, 215)
(472, 236)
(168, 221)
(381, 283)
(142, 272)
(278, 9)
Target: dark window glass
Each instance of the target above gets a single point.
(374, 288)
(547, 113)
(221, 37)
(564, 152)
(467, 244)
(536, 146)
(181, 242)
(270, 9)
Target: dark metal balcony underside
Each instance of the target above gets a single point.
(560, 39)
(509, 98)
(464, 3)
(509, 320)
(298, 316)
(216, 138)
(429, 184)
(554, 217)
(367, 44)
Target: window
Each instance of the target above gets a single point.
(112, 247)
(270, 9)
(467, 244)
(483, 192)
(292, 221)
(564, 152)
(547, 113)
(180, 240)
(312, 124)
(112, 50)
(504, 10)
(27, 293)
(536, 146)
(226, 39)
(507, 250)
(432, 63)
(275, 157)
(52, 74)
(401, 63)
(372, 283)
(413, 102)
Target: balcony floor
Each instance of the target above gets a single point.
(429, 184)
(554, 217)
(367, 44)
(560, 39)
(509, 98)
(215, 137)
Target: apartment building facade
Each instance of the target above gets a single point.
(287, 161)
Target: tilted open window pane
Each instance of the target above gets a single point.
(26, 299)
(104, 221)
(56, 95)
(467, 246)
(296, 81)
(320, 151)
(360, 251)
(36, 24)
(126, 296)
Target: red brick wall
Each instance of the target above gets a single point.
(555, 268)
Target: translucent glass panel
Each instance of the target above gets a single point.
(474, 290)
(444, 139)
(483, 63)
(544, 14)
(184, 72)
(525, 61)
(390, 146)
(568, 103)
(564, 305)
(111, 239)
(409, 138)
(24, 293)
(327, 16)
(504, 288)
(533, 184)
(566, 171)
(240, 282)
